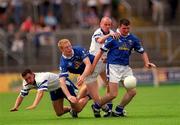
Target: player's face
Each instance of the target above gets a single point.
(67, 49)
(106, 26)
(124, 29)
(29, 78)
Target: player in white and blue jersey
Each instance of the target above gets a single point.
(119, 51)
(47, 81)
(97, 40)
(78, 60)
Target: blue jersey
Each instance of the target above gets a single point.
(75, 63)
(120, 49)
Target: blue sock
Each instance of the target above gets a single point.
(96, 106)
(110, 105)
(119, 109)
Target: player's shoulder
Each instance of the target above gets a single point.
(97, 32)
(133, 36)
(63, 62)
(109, 39)
(78, 49)
(41, 76)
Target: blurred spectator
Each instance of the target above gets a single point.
(17, 44)
(10, 35)
(41, 21)
(157, 12)
(27, 25)
(57, 9)
(105, 8)
(3, 10)
(50, 20)
(3, 6)
(36, 9)
(173, 8)
(93, 5)
(42, 35)
(17, 6)
(91, 19)
(44, 7)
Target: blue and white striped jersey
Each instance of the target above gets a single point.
(120, 49)
(45, 81)
(95, 46)
(75, 63)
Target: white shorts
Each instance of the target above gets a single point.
(117, 73)
(100, 67)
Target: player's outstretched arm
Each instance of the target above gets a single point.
(63, 86)
(17, 103)
(38, 98)
(146, 61)
(87, 71)
(96, 59)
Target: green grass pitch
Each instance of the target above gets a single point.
(151, 106)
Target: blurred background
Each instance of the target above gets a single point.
(30, 30)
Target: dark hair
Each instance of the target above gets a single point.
(25, 72)
(124, 21)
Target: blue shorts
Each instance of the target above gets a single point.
(58, 93)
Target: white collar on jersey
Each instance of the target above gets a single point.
(70, 56)
(120, 33)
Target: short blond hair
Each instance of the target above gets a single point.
(62, 42)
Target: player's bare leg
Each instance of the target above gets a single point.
(104, 79)
(82, 91)
(128, 96)
(77, 107)
(92, 88)
(109, 104)
(113, 92)
(59, 107)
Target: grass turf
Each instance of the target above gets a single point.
(151, 106)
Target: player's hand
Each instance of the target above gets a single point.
(80, 80)
(31, 107)
(115, 35)
(104, 59)
(13, 109)
(72, 99)
(150, 65)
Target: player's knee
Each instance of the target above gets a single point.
(132, 92)
(59, 113)
(113, 95)
(78, 110)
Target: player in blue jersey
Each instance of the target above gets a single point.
(118, 68)
(77, 60)
(47, 81)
